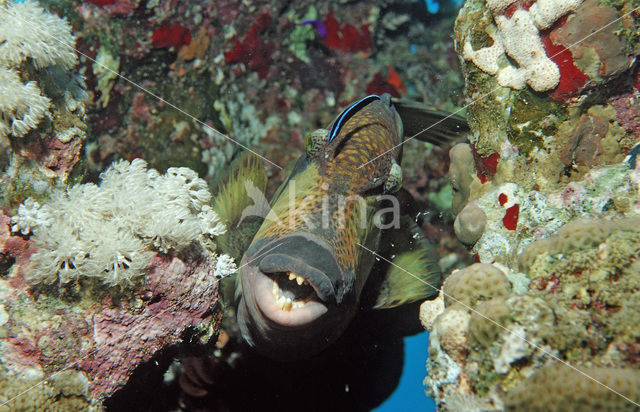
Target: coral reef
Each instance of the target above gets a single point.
(164, 81)
(547, 195)
(149, 239)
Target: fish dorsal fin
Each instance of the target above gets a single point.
(425, 124)
(238, 192)
(348, 113)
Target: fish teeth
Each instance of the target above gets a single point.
(285, 304)
(299, 279)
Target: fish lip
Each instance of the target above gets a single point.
(300, 253)
(306, 254)
(265, 303)
(319, 281)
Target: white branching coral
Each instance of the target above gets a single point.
(29, 35)
(108, 231)
(519, 38)
(244, 125)
(27, 31)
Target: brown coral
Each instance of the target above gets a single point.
(474, 284)
(560, 388)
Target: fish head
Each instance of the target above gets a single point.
(301, 278)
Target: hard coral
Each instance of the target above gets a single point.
(474, 284)
(253, 50)
(518, 35)
(560, 388)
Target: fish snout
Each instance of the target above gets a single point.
(292, 288)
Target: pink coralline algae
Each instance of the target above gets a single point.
(101, 2)
(628, 111)
(124, 339)
(117, 7)
(50, 153)
(104, 338)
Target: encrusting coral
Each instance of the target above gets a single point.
(475, 283)
(519, 37)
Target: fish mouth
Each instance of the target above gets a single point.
(295, 299)
(287, 299)
(295, 286)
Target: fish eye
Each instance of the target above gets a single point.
(314, 140)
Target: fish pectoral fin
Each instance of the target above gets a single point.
(241, 204)
(413, 276)
(433, 126)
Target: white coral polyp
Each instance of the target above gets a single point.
(27, 31)
(21, 105)
(106, 231)
(225, 266)
(29, 216)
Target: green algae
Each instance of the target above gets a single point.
(533, 117)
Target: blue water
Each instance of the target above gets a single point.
(409, 395)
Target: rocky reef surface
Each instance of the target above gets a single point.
(547, 199)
